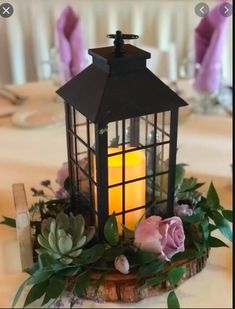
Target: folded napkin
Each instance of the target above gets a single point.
(210, 37)
(69, 43)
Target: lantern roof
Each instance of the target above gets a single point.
(118, 86)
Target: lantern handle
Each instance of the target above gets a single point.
(119, 41)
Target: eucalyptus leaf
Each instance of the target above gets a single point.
(111, 230)
(8, 221)
(223, 225)
(228, 214)
(54, 289)
(175, 274)
(81, 284)
(172, 300)
(212, 197)
(36, 292)
(214, 242)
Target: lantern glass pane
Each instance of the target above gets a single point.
(115, 136)
(162, 158)
(74, 175)
(92, 135)
(82, 155)
(115, 199)
(146, 130)
(115, 169)
(163, 127)
(83, 183)
(71, 142)
(80, 126)
(161, 187)
(135, 164)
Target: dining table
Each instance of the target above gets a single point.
(29, 155)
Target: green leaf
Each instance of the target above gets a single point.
(32, 269)
(82, 283)
(8, 221)
(179, 174)
(45, 261)
(151, 268)
(54, 289)
(188, 184)
(39, 276)
(204, 225)
(228, 214)
(36, 292)
(144, 257)
(214, 242)
(194, 187)
(19, 292)
(111, 253)
(91, 255)
(111, 230)
(187, 254)
(223, 225)
(128, 233)
(155, 280)
(212, 197)
(172, 300)
(175, 274)
(212, 227)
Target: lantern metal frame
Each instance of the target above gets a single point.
(122, 88)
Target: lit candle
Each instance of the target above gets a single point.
(134, 191)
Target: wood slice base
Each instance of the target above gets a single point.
(116, 287)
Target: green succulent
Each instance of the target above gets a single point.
(64, 237)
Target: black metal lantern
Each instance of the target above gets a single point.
(122, 136)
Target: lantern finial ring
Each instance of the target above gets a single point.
(119, 41)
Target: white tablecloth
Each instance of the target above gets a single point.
(29, 156)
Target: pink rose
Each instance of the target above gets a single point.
(62, 174)
(160, 236)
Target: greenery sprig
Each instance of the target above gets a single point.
(68, 254)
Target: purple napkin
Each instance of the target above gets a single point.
(69, 43)
(210, 37)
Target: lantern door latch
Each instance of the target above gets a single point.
(119, 41)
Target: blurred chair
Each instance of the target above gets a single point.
(163, 62)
